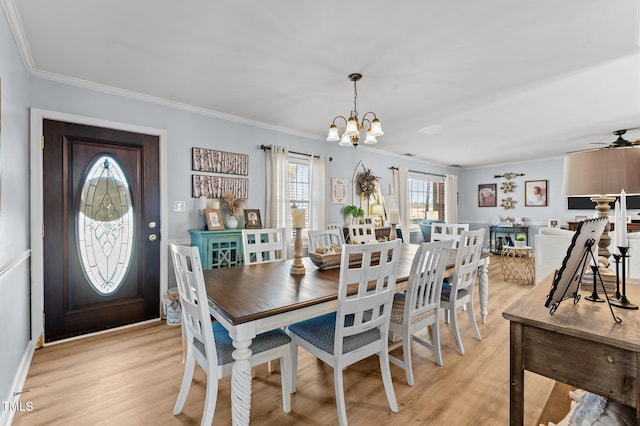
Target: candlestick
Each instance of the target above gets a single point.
(616, 257)
(624, 242)
(297, 268)
(623, 302)
(298, 217)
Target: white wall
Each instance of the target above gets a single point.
(14, 217)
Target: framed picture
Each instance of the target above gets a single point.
(535, 193)
(252, 218)
(553, 223)
(338, 190)
(212, 161)
(214, 219)
(368, 220)
(487, 195)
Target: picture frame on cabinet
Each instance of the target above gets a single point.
(553, 223)
(252, 219)
(214, 219)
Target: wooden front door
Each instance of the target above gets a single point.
(101, 228)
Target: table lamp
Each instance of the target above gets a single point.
(432, 214)
(394, 219)
(202, 205)
(297, 268)
(602, 174)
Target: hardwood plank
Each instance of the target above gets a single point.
(132, 377)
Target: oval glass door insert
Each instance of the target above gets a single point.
(104, 224)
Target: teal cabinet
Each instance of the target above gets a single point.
(218, 249)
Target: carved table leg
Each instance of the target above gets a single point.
(241, 383)
(484, 289)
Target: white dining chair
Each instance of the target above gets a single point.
(448, 231)
(460, 292)
(325, 237)
(419, 307)
(210, 344)
(361, 234)
(264, 245)
(360, 326)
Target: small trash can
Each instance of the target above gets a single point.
(171, 304)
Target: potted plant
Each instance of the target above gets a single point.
(520, 240)
(233, 206)
(351, 213)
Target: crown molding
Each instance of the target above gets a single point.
(18, 34)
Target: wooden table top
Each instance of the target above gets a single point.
(252, 292)
(586, 320)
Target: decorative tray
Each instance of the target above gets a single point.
(332, 260)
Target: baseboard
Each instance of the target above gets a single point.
(12, 402)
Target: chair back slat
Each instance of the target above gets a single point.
(425, 278)
(467, 257)
(193, 300)
(263, 245)
(359, 234)
(366, 288)
(448, 231)
(324, 237)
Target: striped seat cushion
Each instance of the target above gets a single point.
(321, 331)
(260, 343)
(397, 311)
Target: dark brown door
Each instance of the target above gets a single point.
(101, 228)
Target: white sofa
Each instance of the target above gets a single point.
(551, 246)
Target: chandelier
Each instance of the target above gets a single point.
(352, 131)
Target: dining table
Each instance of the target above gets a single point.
(251, 299)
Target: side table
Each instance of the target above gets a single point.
(518, 265)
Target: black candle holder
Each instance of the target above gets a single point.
(594, 297)
(622, 301)
(616, 258)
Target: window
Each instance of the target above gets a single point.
(299, 185)
(424, 196)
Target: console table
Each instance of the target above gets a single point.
(579, 345)
(631, 227)
(218, 249)
(498, 234)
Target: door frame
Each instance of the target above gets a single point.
(37, 218)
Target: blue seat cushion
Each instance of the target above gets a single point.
(321, 331)
(260, 343)
(446, 292)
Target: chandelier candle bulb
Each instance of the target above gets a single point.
(298, 218)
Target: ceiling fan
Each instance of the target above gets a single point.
(621, 142)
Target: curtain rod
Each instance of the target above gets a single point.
(422, 173)
(265, 147)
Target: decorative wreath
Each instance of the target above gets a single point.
(508, 203)
(367, 182)
(507, 187)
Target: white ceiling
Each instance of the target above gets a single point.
(457, 83)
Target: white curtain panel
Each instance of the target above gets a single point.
(318, 196)
(401, 195)
(278, 213)
(451, 199)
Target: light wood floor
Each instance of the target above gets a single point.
(132, 377)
